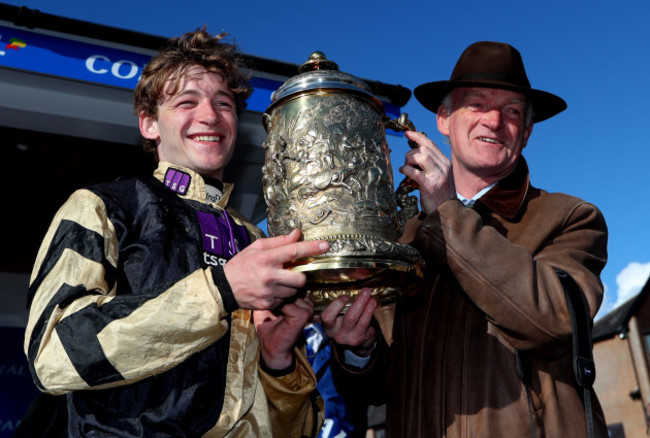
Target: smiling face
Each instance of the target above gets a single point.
(196, 127)
(487, 133)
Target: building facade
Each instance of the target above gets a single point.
(622, 356)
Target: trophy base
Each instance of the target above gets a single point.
(331, 277)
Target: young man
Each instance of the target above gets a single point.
(493, 245)
(143, 292)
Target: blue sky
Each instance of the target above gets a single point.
(593, 54)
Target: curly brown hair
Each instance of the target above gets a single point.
(176, 58)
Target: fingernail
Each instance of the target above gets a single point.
(324, 245)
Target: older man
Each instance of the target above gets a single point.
(493, 303)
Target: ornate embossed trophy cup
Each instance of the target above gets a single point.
(327, 172)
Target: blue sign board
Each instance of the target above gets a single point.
(40, 53)
(25, 50)
(36, 52)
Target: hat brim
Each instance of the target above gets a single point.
(545, 105)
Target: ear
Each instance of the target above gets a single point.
(148, 126)
(442, 119)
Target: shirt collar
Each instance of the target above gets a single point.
(188, 184)
(469, 202)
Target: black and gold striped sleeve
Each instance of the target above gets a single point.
(84, 332)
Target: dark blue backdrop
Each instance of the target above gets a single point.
(17, 390)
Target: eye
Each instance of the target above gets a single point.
(224, 104)
(186, 103)
(474, 104)
(514, 112)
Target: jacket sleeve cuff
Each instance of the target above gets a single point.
(278, 373)
(220, 280)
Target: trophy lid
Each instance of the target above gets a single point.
(321, 74)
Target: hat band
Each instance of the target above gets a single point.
(494, 76)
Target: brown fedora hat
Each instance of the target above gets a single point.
(492, 65)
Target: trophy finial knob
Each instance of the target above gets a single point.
(318, 61)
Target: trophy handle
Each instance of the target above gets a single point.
(407, 203)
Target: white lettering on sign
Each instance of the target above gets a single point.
(90, 64)
(116, 69)
(130, 70)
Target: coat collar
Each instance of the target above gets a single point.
(507, 197)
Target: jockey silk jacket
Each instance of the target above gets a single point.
(131, 316)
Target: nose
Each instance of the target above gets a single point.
(492, 118)
(207, 114)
